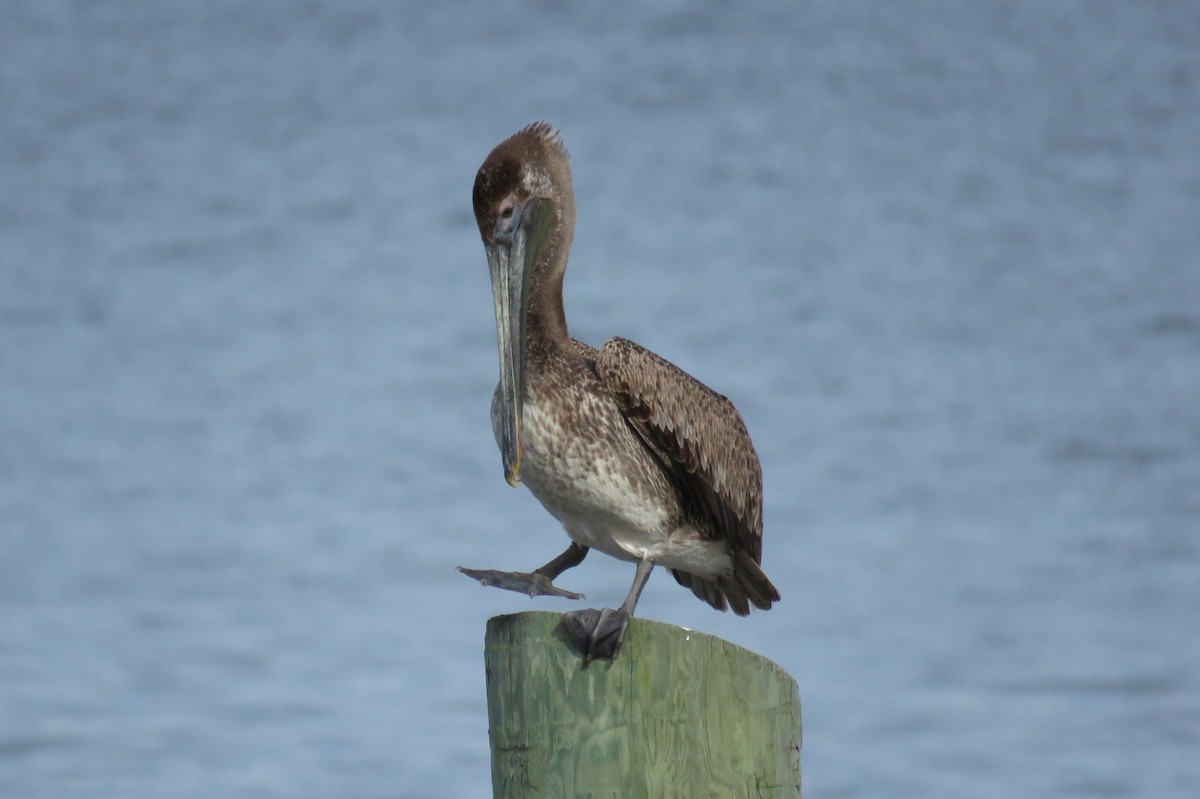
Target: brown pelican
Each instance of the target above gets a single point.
(634, 456)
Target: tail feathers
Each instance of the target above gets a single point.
(746, 585)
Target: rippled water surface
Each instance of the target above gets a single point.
(943, 256)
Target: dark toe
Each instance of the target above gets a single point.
(533, 584)
(579, 624)
(596, 633)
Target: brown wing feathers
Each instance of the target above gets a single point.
(703, 444)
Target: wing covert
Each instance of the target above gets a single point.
(697, 434)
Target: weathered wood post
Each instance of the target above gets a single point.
(679, 714)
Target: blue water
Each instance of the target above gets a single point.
(945, 257)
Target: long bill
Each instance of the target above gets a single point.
(511, 261)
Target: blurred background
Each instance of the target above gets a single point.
(943, 256)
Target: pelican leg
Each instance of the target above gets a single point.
(539, 582)
(599, 633)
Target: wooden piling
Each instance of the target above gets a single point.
(679, 714)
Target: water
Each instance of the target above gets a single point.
(943, 256)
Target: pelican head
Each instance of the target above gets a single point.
(525, 209)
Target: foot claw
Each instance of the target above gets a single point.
(598, 633)
(530, 583)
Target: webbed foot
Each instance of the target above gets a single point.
(598, 633)
(531, 583)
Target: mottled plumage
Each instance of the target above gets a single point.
(634, 456)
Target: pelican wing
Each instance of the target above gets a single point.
(698, 436)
